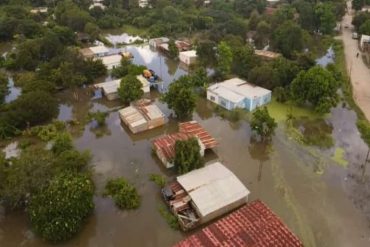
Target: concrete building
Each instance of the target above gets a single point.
(237, 93)
(111, 61)
(204, 194)
(164, 146)
(188, 57)
(141, 116)
(364, 41)
(252, 225)
(109, 88)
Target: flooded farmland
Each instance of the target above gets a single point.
(329, 208)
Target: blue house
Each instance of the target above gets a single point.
(237, 93)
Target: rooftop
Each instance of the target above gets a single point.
(212, 187)
(253, 225)
(99, 49)
(167, 143)
(267, 54)
(140, 113)
(237, 89)
(109, 86)
(192, 53)
(194, 128)
(112, 59)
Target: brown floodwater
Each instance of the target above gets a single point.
(326, 209)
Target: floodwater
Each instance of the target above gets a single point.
(120, 39)
(328, 58)
(326, 209)
(14, 91)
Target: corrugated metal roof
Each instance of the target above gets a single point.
(167, 143)
(112, 59)
(194, 128)
(268, 54)
(132, 116)
(213, 187)
(253, 225)
(99, 49)
(109, 86)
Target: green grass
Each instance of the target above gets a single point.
(279, 111)
(338, 157)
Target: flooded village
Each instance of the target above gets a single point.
(309, 185)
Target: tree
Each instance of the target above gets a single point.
(365, 28)
(72, 161)
(123, 193)
(325, 17)
(288, 38)
(199, 78)
(130, 89)
(58, 211)
(187, 156)
(316, 86)
(244, 60)
(4, 90)
(62, 142)
(263, 76)
(173, 51)
(263, 124)
(224, 59)
(206, 52)
(180, 98)
(306, 14)
(286, 70)
(40, 85)
(359, 19)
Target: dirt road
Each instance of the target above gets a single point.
(357, 70)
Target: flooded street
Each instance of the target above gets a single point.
(325, 209)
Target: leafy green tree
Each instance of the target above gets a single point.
(187, 156)
(359, 19)
(263, 124)
(358, 4)
(62, 142)
(99, 117)
(288, 38)
(130, 89)
(264, 76)
(365, 28)
(286, 70)
(306, 15)
(325, 17)
(224, 59)
(199, 78)
(40, 85)
(206, 52)
(180, 98)
(245, 7)
(173, 51)
(123, 193)
(244, 60)
(58, 211)
(72, 161)
(3, 87)
(93, 30)
(316, 86)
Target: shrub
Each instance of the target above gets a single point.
(123, 193)
(158, 179)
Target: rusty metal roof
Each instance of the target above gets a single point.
(167, 143)
(195, 129)
(253, 225)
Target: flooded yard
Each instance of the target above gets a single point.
(326, 209)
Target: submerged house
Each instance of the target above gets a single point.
(204, 194)
(252, 225)
(141, 116)
(164, 146)
(237, 93)
(99, 51)
(111, 61)
(156, 42)
(188, 57)
(267, 54)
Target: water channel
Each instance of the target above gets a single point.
(326, 209)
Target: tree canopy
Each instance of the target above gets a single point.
(130, 89)
(123, 193)
(187, 156)
(263, 124)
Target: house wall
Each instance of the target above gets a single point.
(252, 104)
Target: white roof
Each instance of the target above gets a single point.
(143, 80)
(109, 86)
(191, 53)
(213, 187)
(113, 59)
(99, 49)
(237, 89)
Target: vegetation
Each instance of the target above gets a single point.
(187, 157)
(130, 89)
(99, 117)
(123, 193)
(127, 68)
(180, 98)
(173, 51)
(169, 217)
(158, 179)
(3, 87)
(263, 124)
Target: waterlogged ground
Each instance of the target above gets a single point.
(318, 192)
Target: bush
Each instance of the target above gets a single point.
(99, 117)
(58, 211)
(158, 179)
(62, 142)
(123, 193)
(187, 157)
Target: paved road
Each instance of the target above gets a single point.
(357, 70)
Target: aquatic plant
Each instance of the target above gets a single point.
(158, 179)
(170, 218)
(123, 193)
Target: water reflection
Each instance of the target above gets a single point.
(14, 91)
(260, 151)
(124, 38)
(328, 58)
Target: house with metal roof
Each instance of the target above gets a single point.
(111, 61)
(141, 116)
(252, 225)
(237, 93)
(188, 57)
(204, 194)
(164, 146)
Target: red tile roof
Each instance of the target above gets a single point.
(194, 128)
(253, 225)
(167, 143)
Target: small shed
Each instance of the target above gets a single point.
(208, 193)
(237, 93)
(109, 88)
(145, 83)
(267, 54)
(142, 116)
(188, 57)
(111, 61)
(158, 41)
(364, 41)
(164, 146)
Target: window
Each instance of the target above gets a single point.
(223, 103)
(213, 98)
